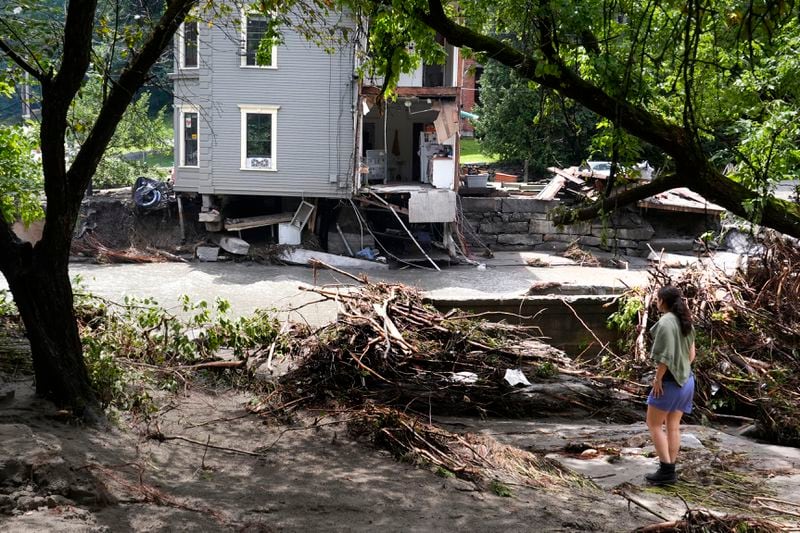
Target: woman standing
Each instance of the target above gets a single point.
(673, 387)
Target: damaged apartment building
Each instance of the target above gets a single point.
(277, 144)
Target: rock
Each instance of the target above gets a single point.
(690, 442)
(234, 245)
(481, 205)
(527, 205)
(55, 476)
(14, 471)
(590, 452)
(23, 493)
(637, 441)
(6, 503)
(30, 503)
(519, 239)
(90, 493)
(207, 253)
(504, 227)
(56, 500)
(673, 245)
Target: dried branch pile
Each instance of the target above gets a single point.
(476, 458)
(388, 347)
(706, 522)
(748, 339)
(90, 246)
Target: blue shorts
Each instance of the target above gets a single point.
(674, 397)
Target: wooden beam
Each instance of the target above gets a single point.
(238, 224)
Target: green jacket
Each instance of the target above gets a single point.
(672, 347)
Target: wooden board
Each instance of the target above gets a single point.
(236, 224)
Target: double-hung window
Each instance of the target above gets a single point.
(189, 137)
(188, 45)
(259, 131)
(254, 27)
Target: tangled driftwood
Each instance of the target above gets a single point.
(477, 458)
(748, 339)
(389, 347)
(90, 246)
(701, 521)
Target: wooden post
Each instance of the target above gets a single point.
(180, 219)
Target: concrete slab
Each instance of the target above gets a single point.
(248, 286)
(626, 454)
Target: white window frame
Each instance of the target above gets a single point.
(181, 135)
(246, 109)
(182, 48)
(243, 64)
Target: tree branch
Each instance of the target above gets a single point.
(775, 213)
(57, 95)
(21, 63)
(77, 47)
(622, 198)
(121, 94)
(640, 123)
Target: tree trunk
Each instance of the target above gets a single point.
(43, 295)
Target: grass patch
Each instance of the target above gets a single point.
(160, 159)
(501, 489)
(471, 153)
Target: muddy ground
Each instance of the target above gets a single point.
(218, 467)
(311, 475)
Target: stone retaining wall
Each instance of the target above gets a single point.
(522, 223)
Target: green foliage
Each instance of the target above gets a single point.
(500, 489)
(398, 43)
(132, 347)
(626, 317)
(136, 132)
(20, 176)
(546, 370)
(520, 121)
(395, 41)
(7, 306)
(444, 472)
(473, 152)
(35, 30)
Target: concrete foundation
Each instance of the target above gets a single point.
(523, 223)
(554, 315)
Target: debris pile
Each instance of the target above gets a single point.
(90, 246)
(476, 458)
(708, 522)
(748, 333)
(390, 348)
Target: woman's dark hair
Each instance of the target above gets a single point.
(674, 302)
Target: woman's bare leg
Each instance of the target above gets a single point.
(674, 434)
(655, 420)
